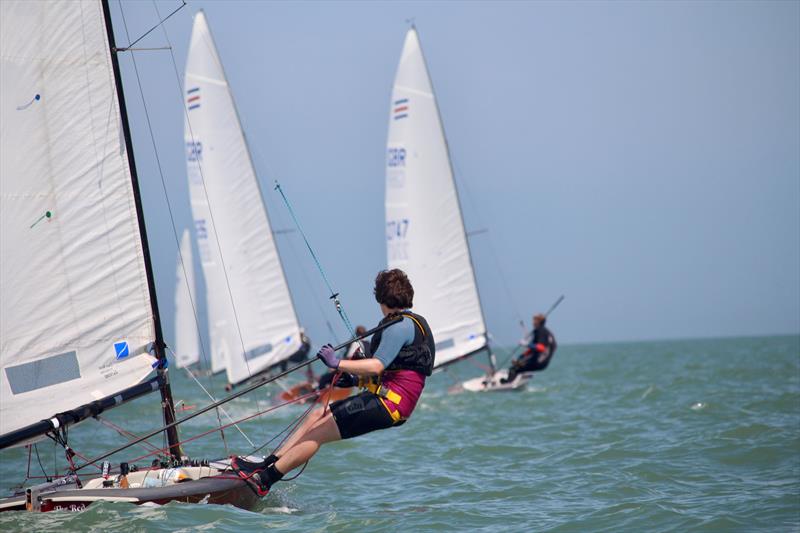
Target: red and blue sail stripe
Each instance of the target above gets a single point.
(193, 98)
(400, 108)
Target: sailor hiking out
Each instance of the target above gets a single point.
(393, 378)
(541, 345)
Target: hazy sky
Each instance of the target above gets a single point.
(641, 158)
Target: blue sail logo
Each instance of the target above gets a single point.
(121, 349)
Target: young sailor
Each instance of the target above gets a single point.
(540, 350)
(393, 378)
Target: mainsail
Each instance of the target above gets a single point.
(78, 318)
(252, 320)
(425, 234)
(187, 347)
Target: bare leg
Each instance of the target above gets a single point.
(312, 418)
(322, 431)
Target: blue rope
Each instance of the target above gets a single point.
(334, 295)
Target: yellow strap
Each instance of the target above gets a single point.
(395, 414)
(417, 323)
(390, 395)
(384, 392)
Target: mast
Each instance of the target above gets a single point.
(167, 404)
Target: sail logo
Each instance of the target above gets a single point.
(194, 151)
(396, 157)
(193, 98)
(400, 108)
(121, 349)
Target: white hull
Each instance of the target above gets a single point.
(492, 383)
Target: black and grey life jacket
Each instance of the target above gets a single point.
(417, 356)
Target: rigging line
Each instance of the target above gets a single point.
(233, 396)
(150, 49)
(212, 430)
(161, 174)
(262, 163)
(30, 453)
(334, 295)
(160, 170)
(39, 460)
(509, 294)
(221, 409)
(205, 193)
(290, 428)
(125, 433)
(160, 23)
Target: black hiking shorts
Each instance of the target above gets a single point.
(360, 414)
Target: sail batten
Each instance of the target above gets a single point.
(252, 321)
(78, 319)
(424, 226)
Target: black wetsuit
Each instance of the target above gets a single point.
(530, 362)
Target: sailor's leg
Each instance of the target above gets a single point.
(321, 431)
(313, 417)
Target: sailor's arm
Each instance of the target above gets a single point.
(362, 367)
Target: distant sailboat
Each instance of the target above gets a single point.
(79, 323)
(253, 325)
(425, 234)
(187, 347)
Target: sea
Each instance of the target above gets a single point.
(689, 435)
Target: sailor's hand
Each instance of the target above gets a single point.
(329, 357)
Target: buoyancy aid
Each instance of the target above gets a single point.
(417, 356)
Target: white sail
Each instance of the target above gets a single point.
(252, 321)
(187, 347)
(76, 320)
(425, 234)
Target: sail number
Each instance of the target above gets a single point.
(194, 151)
(396, 157)
(396, 229)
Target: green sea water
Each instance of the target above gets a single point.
(695, 435)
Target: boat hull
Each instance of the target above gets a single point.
(493, 383)
(221, 490)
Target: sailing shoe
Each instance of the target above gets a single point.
(251, 472)
(259, 484)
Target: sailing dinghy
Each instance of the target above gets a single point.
(253, 325)
(79, 323)
(425, 235)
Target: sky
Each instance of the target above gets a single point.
(641, 158)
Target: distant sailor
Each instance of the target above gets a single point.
(354, 351)
(540, 350)
(393, 378)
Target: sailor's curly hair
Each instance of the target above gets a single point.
(393, 289)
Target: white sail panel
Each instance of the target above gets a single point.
(424, 229)
(75, 310)
(187, 347)
(252, 321)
